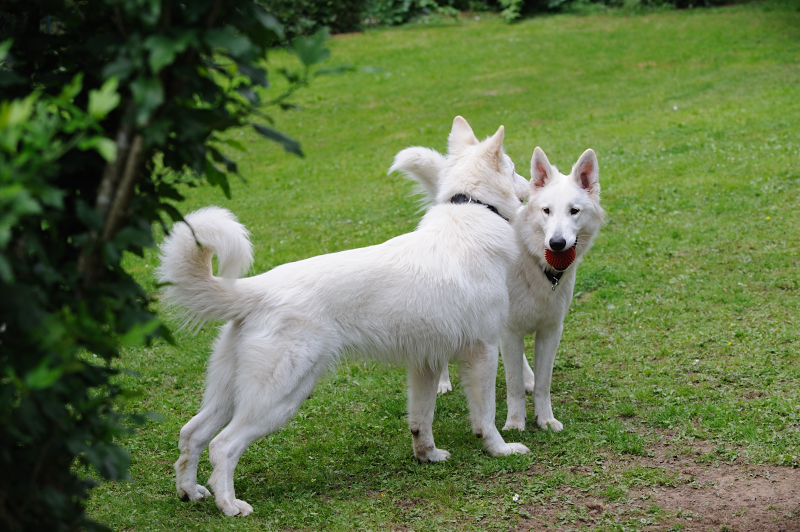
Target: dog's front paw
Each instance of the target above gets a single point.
(445, 386)
(509, 448)
(436, 455)
(193, 494)
(552, 424)
(235, 507)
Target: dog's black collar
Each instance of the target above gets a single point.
(553, 277)
(464, 198)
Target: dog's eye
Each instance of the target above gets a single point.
(573, 211)
(546, 210)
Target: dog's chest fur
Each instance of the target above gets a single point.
(534, 304)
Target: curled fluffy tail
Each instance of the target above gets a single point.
(186, 264)
(423, 166)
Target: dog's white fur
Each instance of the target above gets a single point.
(421, 299)
(560, 208)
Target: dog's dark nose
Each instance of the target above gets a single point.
(557, 244)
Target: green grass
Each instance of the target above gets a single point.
(684, 328)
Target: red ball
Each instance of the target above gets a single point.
(560, 260)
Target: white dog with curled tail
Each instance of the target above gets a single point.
(421, 300)
(554, 230)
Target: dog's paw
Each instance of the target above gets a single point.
(436, 455)
(514, 424)
(445, 387)
(552, 424)
(235, 507)
(509, 448)
(193, 494)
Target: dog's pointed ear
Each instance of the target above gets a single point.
(586, 173)
(460, 135)
(494, 145)
(541, 171)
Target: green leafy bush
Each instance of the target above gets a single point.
(304, 17)
(394, 12)
(108, 108)
(515, 9)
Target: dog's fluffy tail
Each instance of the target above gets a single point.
(186, 268)
(423, 166)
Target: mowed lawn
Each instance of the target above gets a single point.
(677, 376)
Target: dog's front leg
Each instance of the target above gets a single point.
(422, 383)
(478, 376)
(545, 355)
(512, 347)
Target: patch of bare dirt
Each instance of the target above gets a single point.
(706, 497)
(736, 497)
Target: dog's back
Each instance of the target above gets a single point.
(417, 298)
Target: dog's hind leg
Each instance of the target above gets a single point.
(545, 355)
(217, 410)
(444, 381)
(421, 404)
(478, 376)
(271, 384)
(512, 347)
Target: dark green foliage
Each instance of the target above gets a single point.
(393, 12)
(108, 107)
(514, 9)
(303, 17)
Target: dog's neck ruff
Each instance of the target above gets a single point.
(464, 198)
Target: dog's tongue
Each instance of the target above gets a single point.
(560, 260)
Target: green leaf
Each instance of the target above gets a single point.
(121, 68)
(255, 74)
(219, 157)
(163, 49)
(18, 200)
(289, 144)
(216, 177)
(5, 46)
(174, 214)
(312, 50)
(72, 89)
(226, 39)
(268, 21)
(148, 95)
(16, 112)
(90, 217)
(104, 101)
(43, 376)
(137, 334)
(106, 147)
(233, 143)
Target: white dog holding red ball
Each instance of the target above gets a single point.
(554, 229)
